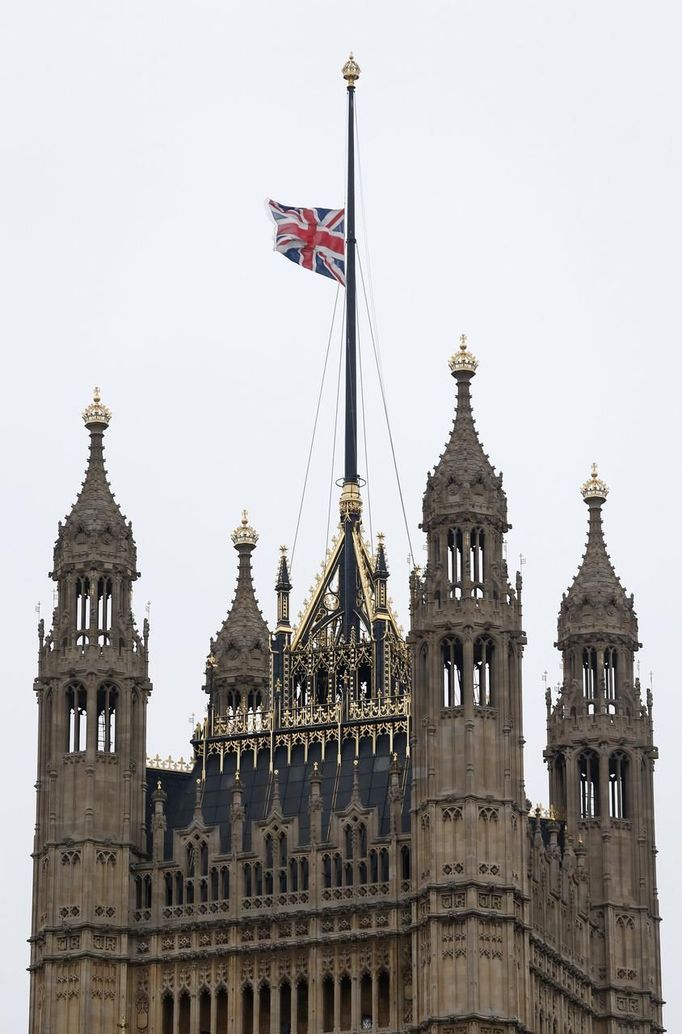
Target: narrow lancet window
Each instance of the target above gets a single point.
(76, 717)
(477, 562)
(82, 611)
(589, 675)
(618, 786)
(484, 654)
(107, 708)
(455, 562)
(610, 674)
(453, 660)
(104, 611)
(588, 774)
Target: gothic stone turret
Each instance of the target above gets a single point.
(238, 670)
(601, 756)
(92, 691)
(468, 806)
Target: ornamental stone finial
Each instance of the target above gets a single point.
(351, 70)
(96, 414)
(594, 487)
(244, 535)
(463, 361)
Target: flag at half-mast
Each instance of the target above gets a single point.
(311, 237)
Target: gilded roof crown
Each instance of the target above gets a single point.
(594, 487)
(463, 361)
(96, 412)
(244, 535)
(351, 70)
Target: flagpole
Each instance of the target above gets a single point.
(350, 495)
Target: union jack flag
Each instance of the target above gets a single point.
(311, 237)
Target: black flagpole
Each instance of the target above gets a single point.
(350, 496)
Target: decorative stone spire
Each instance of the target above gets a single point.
(283, 588)
(380, 566)
(241, 649)
(96, 532)
(596, 602)
(464, 479)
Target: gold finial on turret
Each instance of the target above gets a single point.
(351, 70)
(96, 412)
(244, 535)
(463, 361)
(594, 487)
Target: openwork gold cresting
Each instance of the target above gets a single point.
(463, 361)
(594, 487)
(351, 70)
(96, 412)
(244, 535)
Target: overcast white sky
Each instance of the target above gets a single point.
(521, 171)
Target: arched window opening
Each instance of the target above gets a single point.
(183, 1026)
(82, 611)
(618, 786)
(348, 874)
(338, 870)
(258, 879)
(168, 888)
(384, 1000)
(362, 873)
(76, 717)
(104, 610)
(283, 852)
(348, 840)
(302, 1007)
(477, 561)
(373, 866)
(203, 858)
(269, 852)
(366, 1002)
(560, 784)
(383, 865)
(221, 1010)
(285, 1007)
(589, 674)
(215, 885)
(224, 882)
(304, 873)
(205, 1012)
(293, 876)
(327, 1004)
(345, 1020)
(484, 654)
(610, 673)
(247, 1010)
(107, 705)
(264, 1010)
(167, 1015)
(588, 773)
(326, 871)
(405, 862)
(453, 671)
(190, 859)
(248, 889)
(455, 562)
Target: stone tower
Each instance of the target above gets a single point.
(601, 757)
(468, 804)
(92, 690)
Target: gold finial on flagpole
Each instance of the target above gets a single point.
(351, 70)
